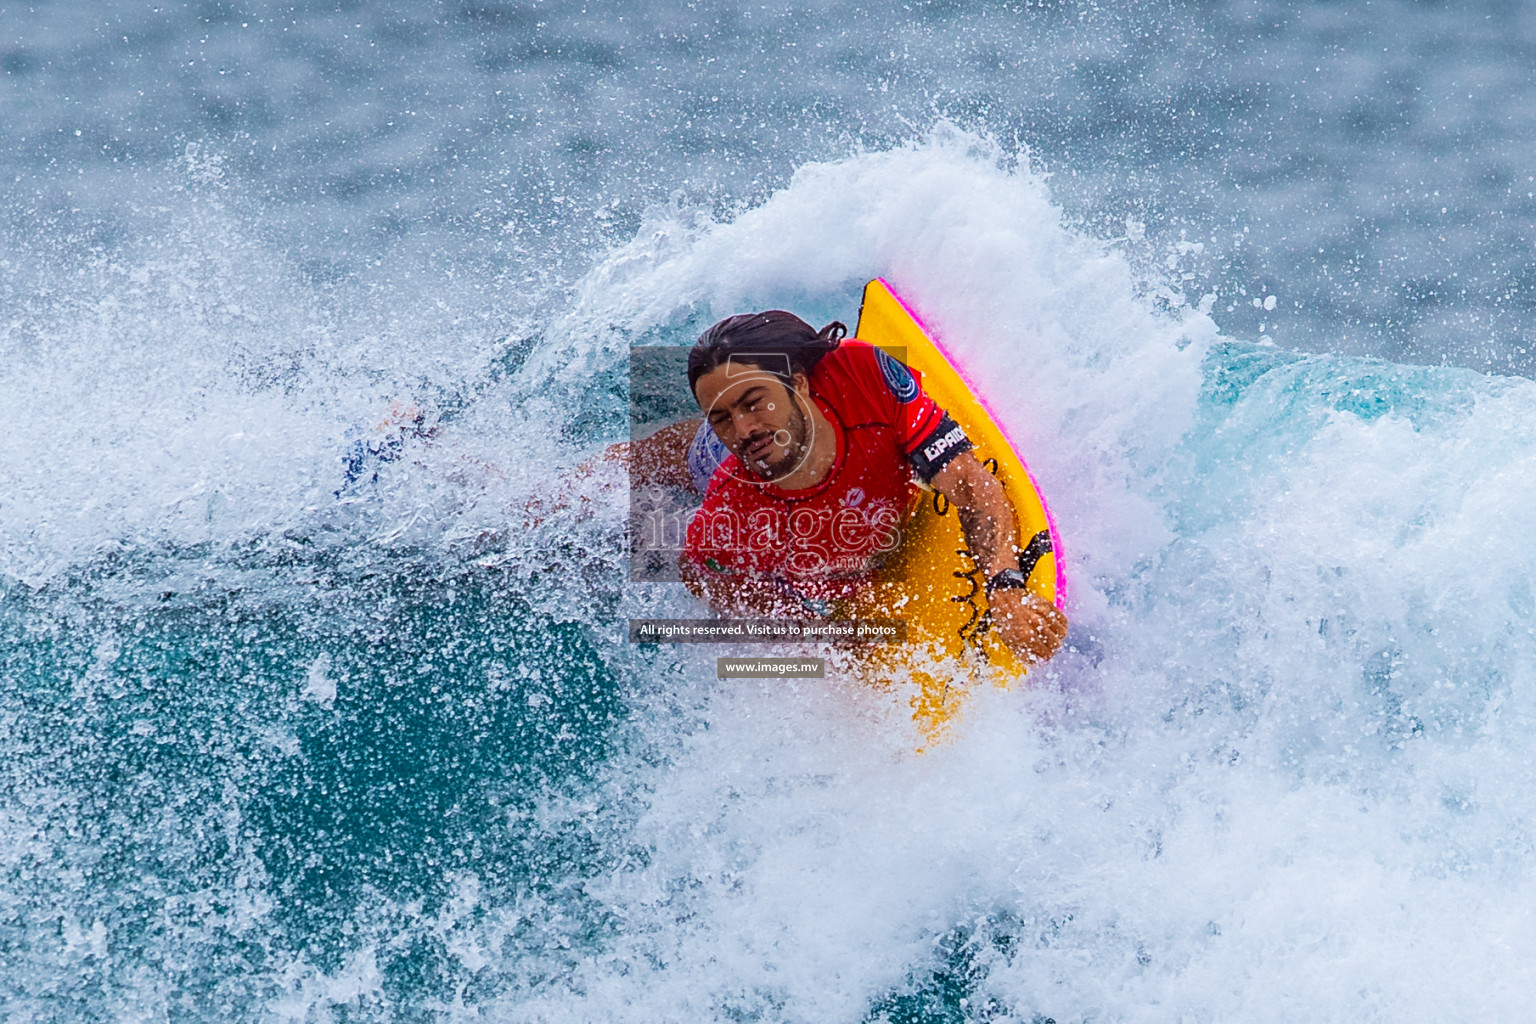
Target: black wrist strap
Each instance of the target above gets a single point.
(1018, 579)
(1008, 579)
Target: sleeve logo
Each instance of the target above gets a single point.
(943, 444)
(897, 377)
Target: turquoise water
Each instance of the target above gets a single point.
(279, 747)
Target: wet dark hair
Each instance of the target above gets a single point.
(778, 342)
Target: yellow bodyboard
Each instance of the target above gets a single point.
(932, 583)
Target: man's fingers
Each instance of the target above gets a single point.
(1031, 625)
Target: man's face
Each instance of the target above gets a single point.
(763, 422)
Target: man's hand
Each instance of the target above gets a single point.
(1030, 625)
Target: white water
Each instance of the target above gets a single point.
(1289, 783)
(1283, 776)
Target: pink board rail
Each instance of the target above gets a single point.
(1050, 519)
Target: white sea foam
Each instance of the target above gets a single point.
(1285, 778)
(192, 389)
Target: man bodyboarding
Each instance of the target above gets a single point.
(823, 438)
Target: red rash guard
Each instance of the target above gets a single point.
(816, 546)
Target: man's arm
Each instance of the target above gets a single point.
(1029, 624)
(661, 458)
